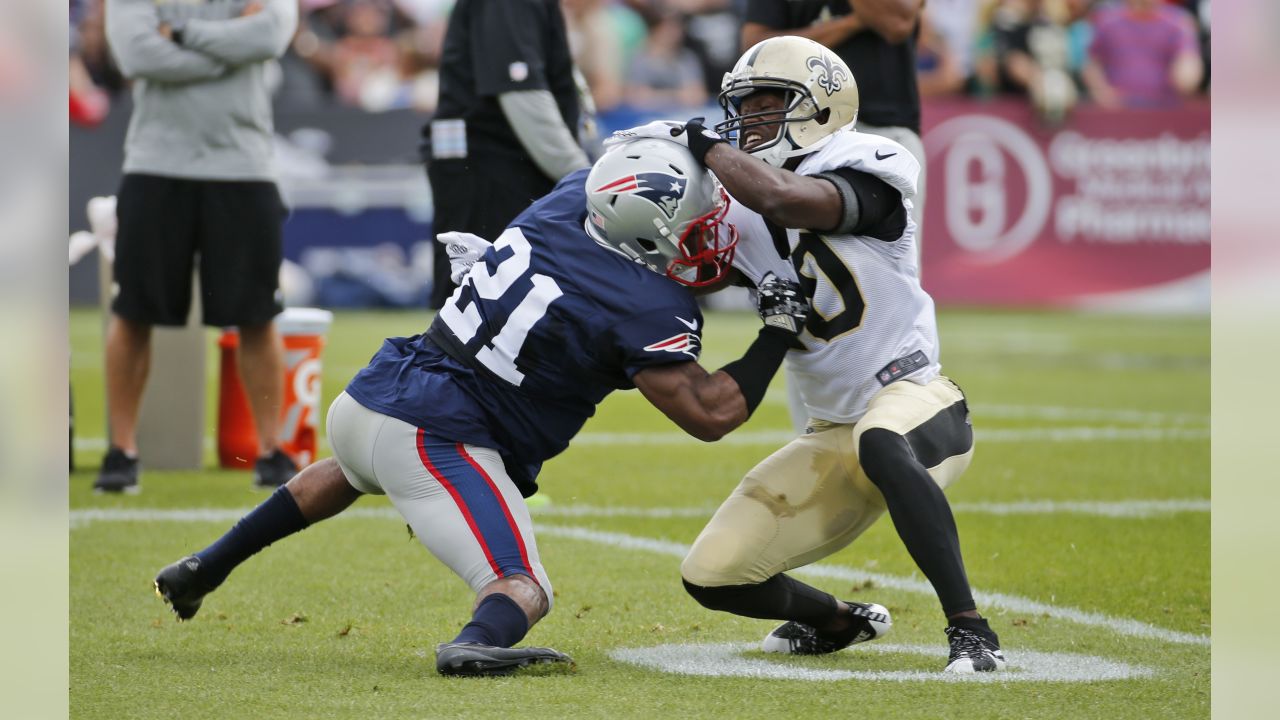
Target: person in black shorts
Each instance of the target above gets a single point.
(506, 128)
(198, 192)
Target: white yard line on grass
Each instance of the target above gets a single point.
(1151, 432)
(1113, 509)
(780, 437)
(1052, 412)
(1012, 603)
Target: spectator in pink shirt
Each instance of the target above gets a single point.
(1144, 54)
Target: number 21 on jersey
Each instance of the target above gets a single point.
(500, 347)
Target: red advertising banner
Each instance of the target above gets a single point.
(1111, 204)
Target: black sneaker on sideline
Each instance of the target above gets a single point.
(973, 651)
(796, 638)
(274, 470)
(473, 659)
(181, 586)
(119, 473)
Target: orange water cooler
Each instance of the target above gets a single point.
(303, 331)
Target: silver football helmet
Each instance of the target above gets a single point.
(820, 94)
(651, 201)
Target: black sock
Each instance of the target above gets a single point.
(497, 621)
(778, 598)
(920, 513)
(277, 517)
(978, 625)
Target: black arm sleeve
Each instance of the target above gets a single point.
(756, 367)
(872, 207)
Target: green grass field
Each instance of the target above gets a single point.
(1084, 519)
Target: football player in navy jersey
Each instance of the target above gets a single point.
(589, 290)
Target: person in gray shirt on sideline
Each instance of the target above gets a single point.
(198, 190)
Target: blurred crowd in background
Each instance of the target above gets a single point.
(382, 55)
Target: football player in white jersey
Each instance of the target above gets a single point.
(886, 429)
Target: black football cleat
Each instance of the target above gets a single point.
(973, 651)
(475, 660)
(274, 470)
(181, 586)
(796, 638)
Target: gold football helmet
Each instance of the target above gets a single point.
(821, 96)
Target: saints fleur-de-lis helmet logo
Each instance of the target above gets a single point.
(832, 77)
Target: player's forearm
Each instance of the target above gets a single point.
(893, 20)
(253, 38)
(752, 373)
(781, 196)
(829, 33)
(707, 406)
(722, 407)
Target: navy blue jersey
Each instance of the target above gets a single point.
(546, 324)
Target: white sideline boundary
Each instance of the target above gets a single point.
(1122, 626)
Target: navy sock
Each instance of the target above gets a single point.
(498, 621)
(277, 517)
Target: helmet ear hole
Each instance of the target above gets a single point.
(824, 116)
(647, 244)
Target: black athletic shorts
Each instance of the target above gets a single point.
(168, 226)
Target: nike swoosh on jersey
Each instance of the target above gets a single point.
(691, 324)
(886, 156)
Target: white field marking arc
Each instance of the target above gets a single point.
(1122, 626)
(1013, 603)
(781, 437)
(727, 660)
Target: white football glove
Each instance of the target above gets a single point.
(464, 250)
(661, 129)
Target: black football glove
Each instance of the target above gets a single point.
(701, 139)
(781, 305)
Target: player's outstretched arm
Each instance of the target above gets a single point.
(784, 198)
(709, 405)
(842, 201)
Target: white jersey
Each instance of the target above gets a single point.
(871, 323)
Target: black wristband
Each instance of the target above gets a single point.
(176, 33)
(756, 367)
(700, 139)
